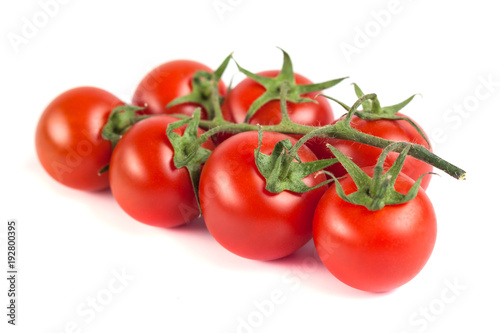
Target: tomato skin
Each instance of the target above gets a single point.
(365, 156)
(374, 251)
(144, 180)
(68, 137)
(167, 82)
(241, 214)
(242, 96)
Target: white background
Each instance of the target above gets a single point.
(73, 244)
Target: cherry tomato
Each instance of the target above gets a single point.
(242, 96)
(241, 214)
(68, 137)
(144, 180)
(364, 155)
(167, 82)
(375, 251)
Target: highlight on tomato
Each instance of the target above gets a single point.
(376, 228)
(175, 79)
(68, 137)
(241, 214)
(144, 180)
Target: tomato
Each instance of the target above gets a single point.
(241, 214)
(375, 251)
(167, 82)
(364, 155)
(242, 96)
(68, 137)
(144, 180)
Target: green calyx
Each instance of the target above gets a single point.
(120, 120)
(283, 169)
(275, 85)
(187, 148)
(372, 110)
(372, 107)
(378, 191)
(205, 91)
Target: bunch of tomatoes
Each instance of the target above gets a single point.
(247, 159)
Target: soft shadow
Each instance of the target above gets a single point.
(306, 265)
(196, 226)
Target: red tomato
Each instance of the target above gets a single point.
(167, 82)
(375, 251)
(364, 155)
(241, 214)
(242, 96)
(68, 137)
(144, 179)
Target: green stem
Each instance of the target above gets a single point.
(417, 151)
(215, 100)
(339, 130)
(285, 118)
(354, 108)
